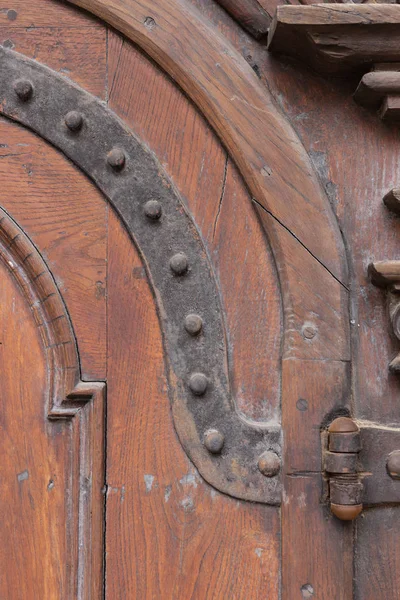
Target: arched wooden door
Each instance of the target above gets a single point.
(175, 317)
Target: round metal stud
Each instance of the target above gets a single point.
(74, 120)
(309, 332)
(393, 464)
(153, 210)
(179, 263)
(193, 324)
(24, 89)
(116, 159)
(214, 441)
(198, 383)
(269, 464)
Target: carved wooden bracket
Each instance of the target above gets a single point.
(386, 274)
(338, 39)
(380, 90)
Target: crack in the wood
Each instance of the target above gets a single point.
(302, 244)
(222, 196)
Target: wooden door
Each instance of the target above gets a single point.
(186, 224)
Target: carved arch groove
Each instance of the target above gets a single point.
(176, 261)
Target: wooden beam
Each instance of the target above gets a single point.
(249, 14)
(337, 38)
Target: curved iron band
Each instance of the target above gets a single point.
(234, 470)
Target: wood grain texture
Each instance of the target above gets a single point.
(157, 111)
(337, 38)
(357, 158)
(66, 217)
(309, 530)
(61, 211)
(171, 535)
(76, 53)
(53, 534)
(226, 89)
(44, 13)
(250, 14)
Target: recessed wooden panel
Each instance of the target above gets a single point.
(51, 470)
(65, 216)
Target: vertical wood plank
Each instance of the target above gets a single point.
(317, 548)
(169, 534)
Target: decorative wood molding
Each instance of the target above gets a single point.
(68, 397)
(249, 14)
(336, 39)
(380, 90)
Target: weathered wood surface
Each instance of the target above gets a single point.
(337, 38)
(232, 99)
(358, 160)
(251, 15)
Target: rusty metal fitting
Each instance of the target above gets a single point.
(341, 466)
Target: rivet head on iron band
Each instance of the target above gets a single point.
(198, 383)
(153, 210)
(193, 324)
(74, 120)
(24, 89)
(269, 464)
(116, 159)
(179, 263)
(214, 441)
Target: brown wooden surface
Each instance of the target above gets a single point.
(337, 38)
(357, 158)
(53, 532)
(265, 149)
(168, 533)
(250, 14)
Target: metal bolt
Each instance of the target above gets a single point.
(193, 324)
(393, 464)
(24, 89)
(179, 263)
(153, 210)
(269, 464)
(74, 120)
(116, 159)
(214, 441)
(302, 404)
(309, 332)
(198, 384)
